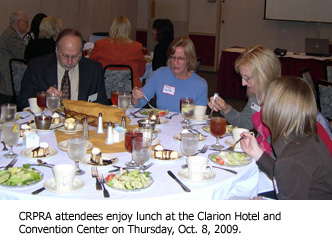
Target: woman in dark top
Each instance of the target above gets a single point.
(163, 33)
(50, 27)
(33, 33)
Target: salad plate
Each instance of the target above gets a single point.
(131, 181)
(50, 185)
(162, 121)
(53, 126)
(231, 159)
(27, 153)
(78, 128)
(228, 132)
(146, 112)
(63, 145)
(20, 177)
(177, 137)
(207, 176)
(108, 157)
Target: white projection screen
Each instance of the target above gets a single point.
(299, 10)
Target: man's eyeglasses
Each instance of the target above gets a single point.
(180, 59)
(68, 57)
(26, 22)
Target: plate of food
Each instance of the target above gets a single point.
(20, 176)
(78, 128)
(43, 151)
(162, 154)
(63, 145)
(53, 126)
(129, 180)
(232, 159)
(156, 112)
(96, 158)
(229, 129)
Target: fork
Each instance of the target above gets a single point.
(149, 102)
(232, 147)
(170, 117)
(215, 96)
(25, 117)
(4, 146)
(94, 174)
(203, 150)
(102, 181)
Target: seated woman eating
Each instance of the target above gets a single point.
(169, 84)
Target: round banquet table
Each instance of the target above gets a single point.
(223, 186)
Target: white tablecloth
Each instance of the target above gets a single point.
(224, 185)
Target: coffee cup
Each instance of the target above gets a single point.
(64, 176)
(197, 166)
(199, 113)
(33, 105)
(236, 132)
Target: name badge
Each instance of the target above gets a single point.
(255, 107)
(93, 97)
(168, 89)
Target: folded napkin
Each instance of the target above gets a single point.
(98, 140)
(81, 109)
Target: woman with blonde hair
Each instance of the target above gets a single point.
(49, 29)
(303, 165)
(176, 80)
(119, 49)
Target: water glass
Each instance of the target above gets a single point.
(187, 111)
(115, 96)
(10, 135)
(77, 151)
(124, 101)
(141, 151)
(52, 101)
(189, 144)
(8, 112)
(129, 137)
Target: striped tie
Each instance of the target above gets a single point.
(65, 86)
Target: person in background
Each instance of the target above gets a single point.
(49, 72)
(163, 33)
(119, 49)
(50, 28)
(303, 165)
(33, 33)
(11, 47)
(176, 80)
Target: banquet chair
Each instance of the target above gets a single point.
(304, 73)
(328, 70)
(324, 102)
(17, 70)
(118, 77)
(199, 61)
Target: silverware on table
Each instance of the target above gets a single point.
(4, 146)
(185, 188)
(29, 122)
(11, 164)
(133, 114)
(195, 130)
(228, 170)
(42, 162)
(94, 174)
(102, 181)
(170, 117)
(124, 168)
(38, 191)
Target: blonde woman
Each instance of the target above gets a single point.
(176, 80)
(303, 165)
(49, 29)
(119, 49)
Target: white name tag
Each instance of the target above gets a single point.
(168, 89)
(93, 97)
(255, 107)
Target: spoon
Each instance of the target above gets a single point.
(43, 162)
(32, 112)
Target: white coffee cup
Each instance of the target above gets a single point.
(197, 166)
(236, 132)
(64, 176)
(200, 111)
(33, 105)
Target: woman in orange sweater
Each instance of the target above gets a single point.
(119, 49)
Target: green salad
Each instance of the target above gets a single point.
(130, 180)
(20, 176)
(155, 112)
(232, 158)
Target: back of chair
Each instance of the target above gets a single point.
(199, 61)
(324, 89)
(304, 73)
(17, 70)
(328, 70)
(118, 77)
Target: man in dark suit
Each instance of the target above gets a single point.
(46, 73)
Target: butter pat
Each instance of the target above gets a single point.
(31, 139)
(119, 134)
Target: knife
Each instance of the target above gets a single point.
(185, 188)
(11, 164)
(38, 191)
(231, 171)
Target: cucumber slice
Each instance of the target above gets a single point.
(136, 184)
(4, 177)
(128, 184)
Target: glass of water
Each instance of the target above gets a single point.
(52, 101)
(141, 151)
(189, 144)
(124, 101)
(77, 151)
(10, 135)
(8, 112)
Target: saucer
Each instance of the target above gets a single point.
(207, 176)
(27, 151)
(63, 145)
(230, 142)
(51, 186)
(206, 118)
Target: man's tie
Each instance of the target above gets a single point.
(65, 86)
